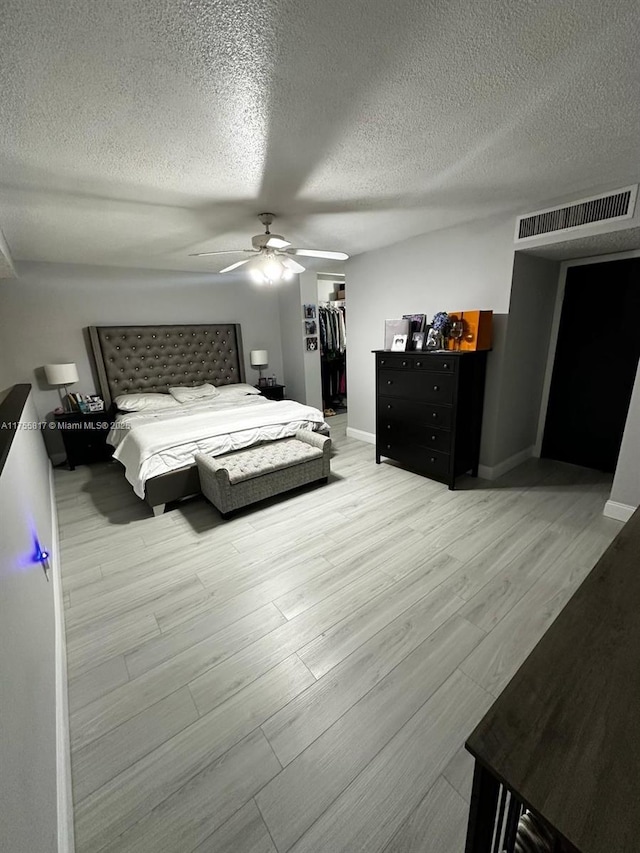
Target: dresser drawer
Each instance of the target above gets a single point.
(395, 361)
(394, 410)
(416, 384)
(428, 461)
(415, 433)
(435, 439)
(439, 363)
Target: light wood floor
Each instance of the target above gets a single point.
(304, 676)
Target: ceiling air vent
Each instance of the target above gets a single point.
(600, 208)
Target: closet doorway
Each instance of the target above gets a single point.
(595, 364)
(332, 332)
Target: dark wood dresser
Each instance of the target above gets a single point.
(429, 411)
(562, 740)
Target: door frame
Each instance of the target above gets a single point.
(555, 326)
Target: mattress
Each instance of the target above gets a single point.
(151, 443)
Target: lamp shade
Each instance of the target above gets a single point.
(259, 358)
(61, 374)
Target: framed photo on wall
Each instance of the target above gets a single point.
(312, 344)
(310, 327)
(309, 312)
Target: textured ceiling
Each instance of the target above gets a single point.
(587, 247)
(133, 132)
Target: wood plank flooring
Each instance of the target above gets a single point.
(303, 677)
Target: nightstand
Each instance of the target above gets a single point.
(84, 435)
(272, 392)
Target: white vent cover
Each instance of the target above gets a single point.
(606, 207)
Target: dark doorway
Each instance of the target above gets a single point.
(595, 364)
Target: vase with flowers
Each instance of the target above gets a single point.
(439, 331)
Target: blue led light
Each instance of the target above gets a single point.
(39, 556)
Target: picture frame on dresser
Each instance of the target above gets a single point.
(418, 341)
(399, 343)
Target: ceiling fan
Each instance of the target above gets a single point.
(272, 259)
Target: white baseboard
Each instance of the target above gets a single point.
(488, 472)
(66, 842)
(361, 435)
(621, 512)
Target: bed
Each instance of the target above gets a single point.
(157, 447)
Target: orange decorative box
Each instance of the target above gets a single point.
(477, 330)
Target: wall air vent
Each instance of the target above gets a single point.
(606, 207)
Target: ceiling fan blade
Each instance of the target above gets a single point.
(277, 243)
(317, 253)
(235, 266)
(229, 252)
(292, 265)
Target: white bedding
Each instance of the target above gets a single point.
(152, 443)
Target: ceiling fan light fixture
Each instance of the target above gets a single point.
(234, 266)
(318, 253)
(257, 275)
(276, 242)
(271, 260)
(292, 266)
(272, 269)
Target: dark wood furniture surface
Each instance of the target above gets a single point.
(564, 734)
(84, 435)
(272, 392)
(429, 411)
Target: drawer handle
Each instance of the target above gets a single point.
(389, 381)
(418, 364)
(388, 447)
(436, 387)
(388, 426)
(389, 406)
(445, 365)
(404, 363)
(433, 438)
(433, 459)
(434, 415)
(382, 361)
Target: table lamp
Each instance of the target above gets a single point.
(62, 374)
(259, 359)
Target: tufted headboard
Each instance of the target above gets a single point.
(151, 358)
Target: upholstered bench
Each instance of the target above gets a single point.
(237, 479)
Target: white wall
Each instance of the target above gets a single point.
(626, 483)
(311, 358)
(302, 368)
(466, 267)
(291, 329)
(34, 782)
(43, 313)
(531, 311)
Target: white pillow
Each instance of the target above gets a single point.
(185, 394)
(145, 402)
(237, 390)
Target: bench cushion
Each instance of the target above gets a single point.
(265, 458)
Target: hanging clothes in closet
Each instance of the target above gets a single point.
(333, 347)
